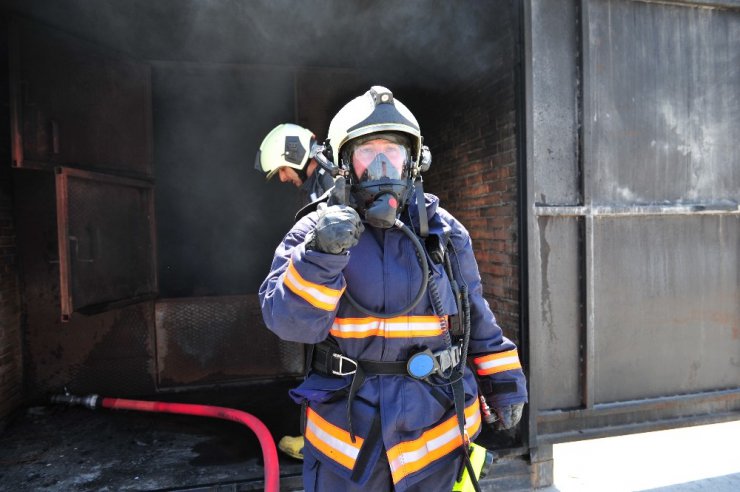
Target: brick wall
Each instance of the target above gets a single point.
(472, 135)
(10, 337)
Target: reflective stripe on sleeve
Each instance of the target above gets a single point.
(401, 327)
(315, 294)
(331, 440)
(411, 456)
(495, 363)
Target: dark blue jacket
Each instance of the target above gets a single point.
(302, 301)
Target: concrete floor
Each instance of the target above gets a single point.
(693, 459)
(57, 449)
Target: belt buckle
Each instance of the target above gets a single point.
(340, 371)
(422, 365)
(448, 358)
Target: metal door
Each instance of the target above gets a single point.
(105, 230)
(78, 107)
(633, 183)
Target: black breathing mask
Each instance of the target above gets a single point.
(376, 174)
(383, 211)
(380, 176)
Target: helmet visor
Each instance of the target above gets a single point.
(379, 158)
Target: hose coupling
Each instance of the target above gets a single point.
(89, 401)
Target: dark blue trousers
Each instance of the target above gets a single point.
(319, 478)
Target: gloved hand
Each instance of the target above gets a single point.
(338, 229)
(508, 416)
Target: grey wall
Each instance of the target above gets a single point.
(633, 191)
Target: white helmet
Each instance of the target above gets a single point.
(287, 145)
(377, 140)
(375, 111)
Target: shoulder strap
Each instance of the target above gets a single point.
(421, 206)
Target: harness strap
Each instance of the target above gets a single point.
(322, 360)
(422, 209)
(458, 393)
(357, 381)
(369, 368)
(363, 457)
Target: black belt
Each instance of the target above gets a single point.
(328, 360)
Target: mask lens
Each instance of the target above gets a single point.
(377, 159)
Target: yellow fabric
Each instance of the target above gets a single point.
(477, 459)
(292, 446)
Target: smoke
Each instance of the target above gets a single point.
(224, 72)
(218, 219)
(427, 42)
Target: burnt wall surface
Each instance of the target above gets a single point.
(472, 135)
(217, 220)
(11, 377)
(111, 352)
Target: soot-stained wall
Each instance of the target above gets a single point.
(218, 221)
(11, 374)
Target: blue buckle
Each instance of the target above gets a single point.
(422, 364)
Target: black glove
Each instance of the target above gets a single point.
(338, 195)
(338, 229)
(508, 416)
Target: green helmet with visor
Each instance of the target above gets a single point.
(287, 145)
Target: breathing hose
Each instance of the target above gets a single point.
(421, 255)
(269, 451)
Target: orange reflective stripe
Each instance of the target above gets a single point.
(411, 456)
(400, 327)
(495, 363)
(331, 440)
(317, 295)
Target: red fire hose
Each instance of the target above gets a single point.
(269, 451)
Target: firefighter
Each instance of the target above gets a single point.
(285, 151)
(383, 408)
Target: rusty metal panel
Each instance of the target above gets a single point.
(654, 261)
(559, 337)
(111, 352)
(553, 102)
(75, 103)
(661, 85)
(207, 340)
(105, 228)
(662, 102)
(666, 305)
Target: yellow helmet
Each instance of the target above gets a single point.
(375, 111)
(287, 145)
